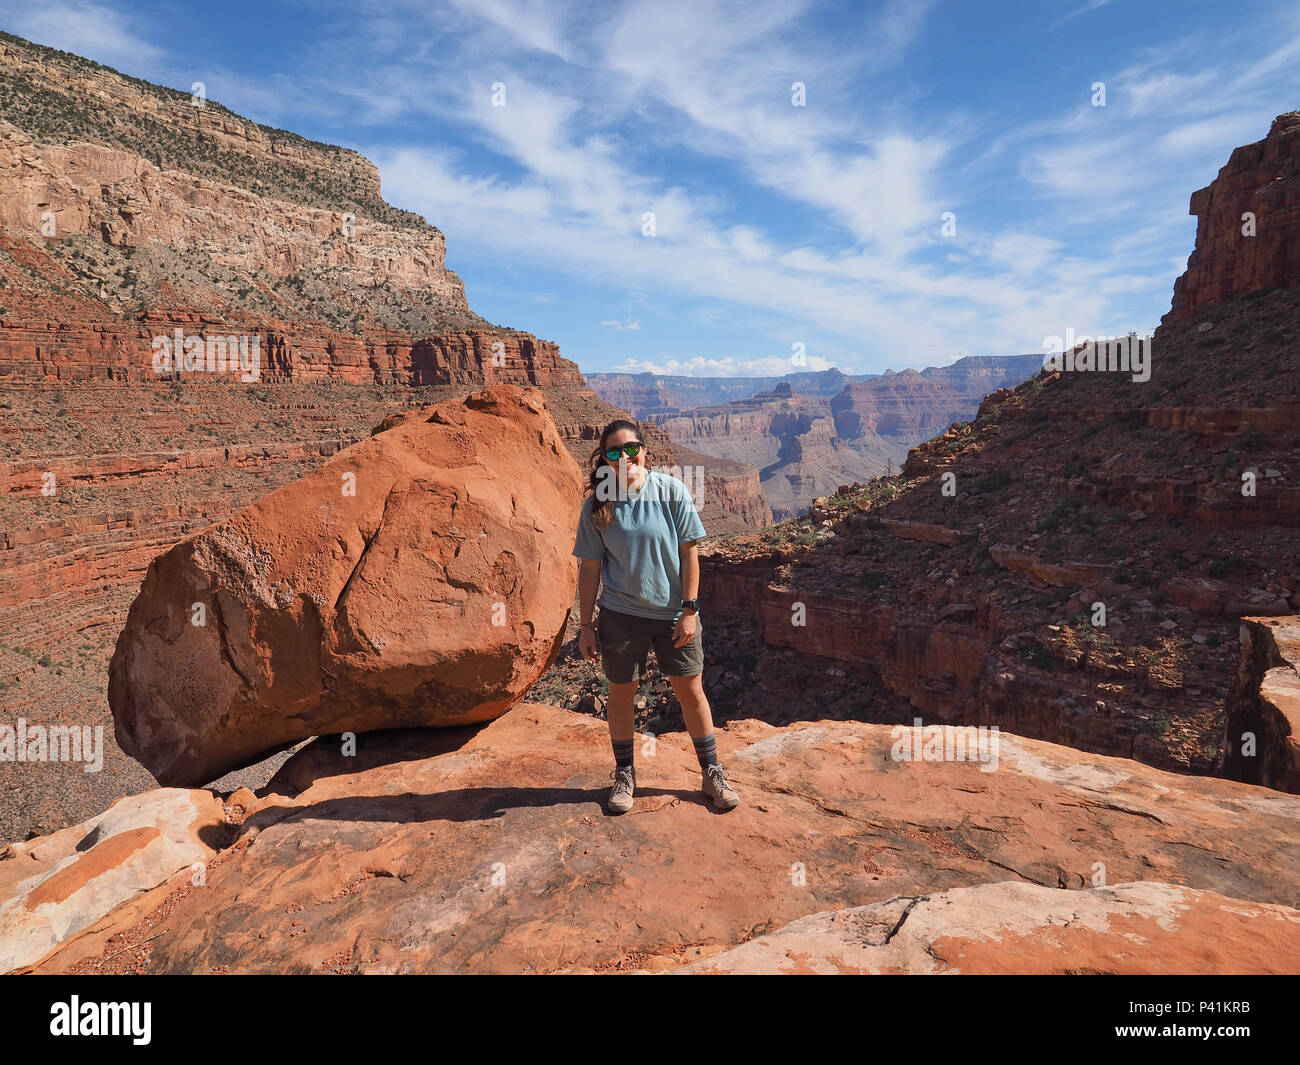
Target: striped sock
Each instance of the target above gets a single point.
(623, 751)
(706, 750)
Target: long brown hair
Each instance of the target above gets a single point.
(601, 514)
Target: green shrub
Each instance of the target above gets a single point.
(1159, 724)
(1221, 567)
(994, 480)
(1035, 657)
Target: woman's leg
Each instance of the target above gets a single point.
(622, 644)
(695, 704)
(619, 710)
(699, 723)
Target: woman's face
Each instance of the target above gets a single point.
(630, 471)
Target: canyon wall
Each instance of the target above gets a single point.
(123, 200)
(807, 445)
(66, 98)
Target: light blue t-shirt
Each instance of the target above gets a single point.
(642, 569)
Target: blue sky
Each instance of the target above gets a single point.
(775, 225)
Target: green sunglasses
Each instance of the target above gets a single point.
(631, 449)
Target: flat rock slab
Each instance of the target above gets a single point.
(1017, 928)
(55, 886)
(487, 848)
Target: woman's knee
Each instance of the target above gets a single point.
(688, 688)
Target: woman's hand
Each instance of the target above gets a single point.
(684, 630)
(587, 643)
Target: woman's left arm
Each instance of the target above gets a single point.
(684, 631)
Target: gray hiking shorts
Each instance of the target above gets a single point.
(625, 641)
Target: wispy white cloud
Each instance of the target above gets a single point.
(703, 366)
(875, 180)
(1082, 9)
(534, 24)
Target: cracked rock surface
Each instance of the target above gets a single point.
(486, 848)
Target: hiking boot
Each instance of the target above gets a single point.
(717, 788)
(620, 795)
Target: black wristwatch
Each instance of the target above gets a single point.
(691, 604)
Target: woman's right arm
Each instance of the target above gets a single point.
(588, 586)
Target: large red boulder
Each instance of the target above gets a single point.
(422, 577)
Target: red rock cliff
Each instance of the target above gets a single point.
(1247, 223)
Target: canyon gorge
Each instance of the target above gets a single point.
(873, 557)
(806, 444)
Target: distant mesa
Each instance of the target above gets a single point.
(808, 433)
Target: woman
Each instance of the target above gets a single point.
(639, 534)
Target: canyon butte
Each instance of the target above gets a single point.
(1126, 826)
